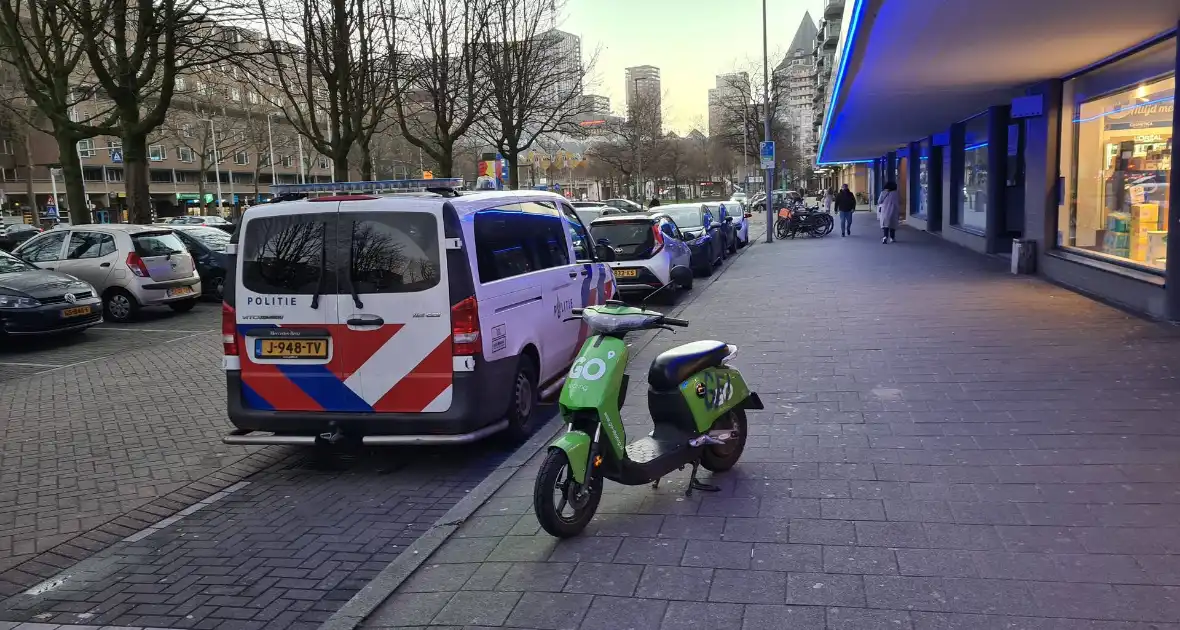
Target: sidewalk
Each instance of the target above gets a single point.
(945, 446)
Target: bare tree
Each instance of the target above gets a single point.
(328, 63)
(535, 75)
(743, 107)
(136, 49)
(441, 85)
(673, 160)
(45, 54)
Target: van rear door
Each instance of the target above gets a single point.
(287, 292)
(395, 303)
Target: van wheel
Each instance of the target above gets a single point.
(522, 405)
(120, 306)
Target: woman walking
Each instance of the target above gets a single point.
(889, 211)
(828, 199)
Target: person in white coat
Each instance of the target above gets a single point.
(828, 199)
(889, 212)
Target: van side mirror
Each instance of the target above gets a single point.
(605, 253)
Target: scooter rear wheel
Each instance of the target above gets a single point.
(722, 457)
(563, 506)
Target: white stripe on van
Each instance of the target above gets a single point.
(442, 403)
(397, 358)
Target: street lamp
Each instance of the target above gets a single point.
(270, 145)
(216, 161)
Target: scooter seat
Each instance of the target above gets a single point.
(674, 366)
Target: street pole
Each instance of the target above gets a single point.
(270, 145)
(302, 173)
(766, 127)
(216, 163)
(56, 200)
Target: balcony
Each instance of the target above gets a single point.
(833, 9)
(831, 34)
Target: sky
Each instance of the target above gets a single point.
(690, 41)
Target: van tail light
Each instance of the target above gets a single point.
(135, 264)
(465, 328)
(229, 325)
(659, 238)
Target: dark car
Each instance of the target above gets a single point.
(626, 205)
(729, 228)
(702, 231)
(14, 235)
(36, 301)
(207, 246)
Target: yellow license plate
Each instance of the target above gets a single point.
(291, 349)
(75, 311)
(178, 291)
(626, 273)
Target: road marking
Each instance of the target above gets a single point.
(40, 365)
(195, 334)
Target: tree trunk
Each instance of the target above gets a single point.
(29, 191)
(339, 167)
(201, 189)
(71, 170)
(366, 162)
(135, 178)
(512, 157)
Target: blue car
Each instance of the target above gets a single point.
(703, 232)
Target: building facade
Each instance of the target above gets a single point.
(643, 88)
(730, 96)
(1064, 162)
(795, 76)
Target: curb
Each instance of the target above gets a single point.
(354, 612)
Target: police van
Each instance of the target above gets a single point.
(401, 312)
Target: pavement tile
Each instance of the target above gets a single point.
(776, 530)
(714, 616)
(635, 550)
(936, 563)
(598, 578)
(535, 576)
(625, 613)
(860, 560)
(825, 589)
(776, 617)
(822, 532)
(686, 583)
(787, 557)
(721, 555)
(865, 619)
(550, 611)
(748, 587)
(409, 609)
(477, 608)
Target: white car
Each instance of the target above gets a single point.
(738, 196)
(646, 249)
(425, 318)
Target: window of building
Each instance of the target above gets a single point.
(254, 97)
(92, 173)
(235, 94)
(114, 145)
(9, 174)
(86, 148)
(114, 174)
(184, 154)
(923, 204)
(160, 177)
(973, 214)
(181, 84)
(1117, 159)
(157, 153)
(287, 161)
(241, 157)
(6, 146)
(323, 162)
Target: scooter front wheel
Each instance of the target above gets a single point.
(563, 506)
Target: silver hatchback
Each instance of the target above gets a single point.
(131, 266)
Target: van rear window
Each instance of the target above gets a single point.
(289, 254)
(392, 252)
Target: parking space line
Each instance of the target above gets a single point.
(40, 365)
(202, 332)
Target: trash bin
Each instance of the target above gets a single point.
(1024, 256)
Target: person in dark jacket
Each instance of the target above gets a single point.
(845, 205)
(655, 202)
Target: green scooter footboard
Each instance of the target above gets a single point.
(712, 393)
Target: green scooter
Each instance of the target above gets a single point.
(697, 404)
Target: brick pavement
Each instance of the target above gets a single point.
(945, 446)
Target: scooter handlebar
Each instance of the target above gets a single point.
(672, 321)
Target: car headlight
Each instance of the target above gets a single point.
(16, 301)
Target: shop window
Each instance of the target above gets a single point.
(923, 204)
(1116, 159)
(903, 185)
(975, 155)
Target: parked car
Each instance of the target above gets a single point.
(590, 210)
(209, 220)
(704, 235)
(35, 301)
(738, 196)
(646, 249)
(130, 266)
(15, 234)
(735, 219)
(626, 205)
(207, 245)
(431, 318)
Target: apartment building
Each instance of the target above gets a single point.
(643, 87)
(224, 102)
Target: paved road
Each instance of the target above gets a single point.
(944, 447)
(97, 453)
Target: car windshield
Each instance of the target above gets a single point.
(685, 218)
(12, 264)
(213, 238)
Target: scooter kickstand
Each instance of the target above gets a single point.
(694, 484)
(655, 485)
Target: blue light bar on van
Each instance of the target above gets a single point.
(378, 186)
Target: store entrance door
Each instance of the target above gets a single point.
(1013, 220)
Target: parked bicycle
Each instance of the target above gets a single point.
(799, 219)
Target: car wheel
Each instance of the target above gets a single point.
(183, 306)
(523, 401)
(217, 288)
(733, 244)
(120, 306)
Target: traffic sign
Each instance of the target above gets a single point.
(117, 155)
(766, 154)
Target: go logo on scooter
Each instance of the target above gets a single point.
(589, 370)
